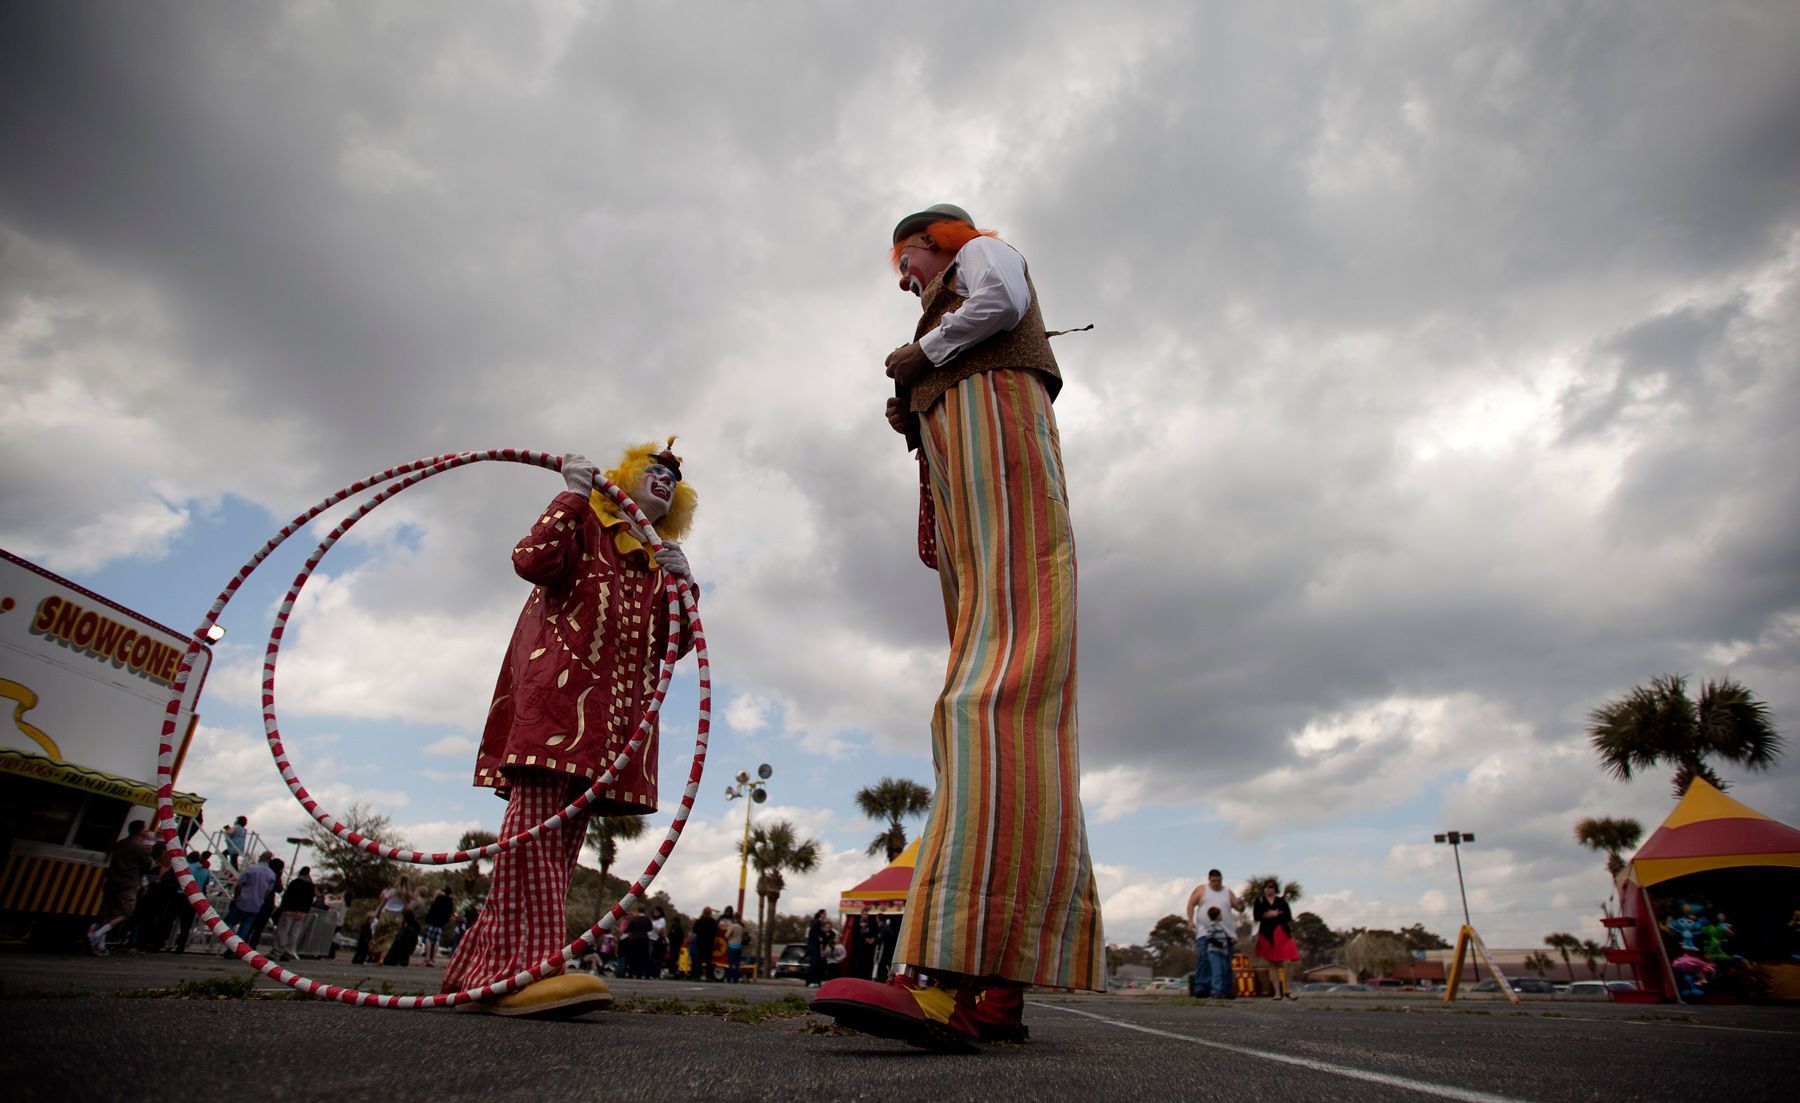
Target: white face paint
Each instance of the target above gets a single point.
(655, 492)
(920, 262)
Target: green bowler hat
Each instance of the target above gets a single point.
(942, 212)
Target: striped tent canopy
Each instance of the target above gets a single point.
(1708, 830)
(886, 891)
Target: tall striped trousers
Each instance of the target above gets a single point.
(1004, 887)
(523, 921)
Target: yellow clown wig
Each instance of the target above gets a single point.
(626, 476)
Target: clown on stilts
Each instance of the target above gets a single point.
(581, 667)
(1003, 896)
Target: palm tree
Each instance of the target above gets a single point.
(1659, 724)
(893, 799)
(1611, 836)
(773, 848)
(604, 834)
(1540, 962)
(1562, 944)
(1592, 953)
(1289, 891)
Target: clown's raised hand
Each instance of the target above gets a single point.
(578, 472)
(671, 558)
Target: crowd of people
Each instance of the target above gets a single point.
(864, 950)
(144, 910)
(651, 943)
(408, 921)
(141, 905)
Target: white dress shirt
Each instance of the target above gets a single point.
(990, 276)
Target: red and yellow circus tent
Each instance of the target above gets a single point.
(1707, 832)
(886, 891)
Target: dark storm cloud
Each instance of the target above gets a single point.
(1439, 352)
(1669, 352)
(152, 150)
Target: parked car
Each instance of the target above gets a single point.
(1588, 988)
(1169, 984)
(791, 962)
(1621, 986)
(1388, 984)
(1349, 988)
(1536, 986)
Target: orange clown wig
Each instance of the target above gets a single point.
(948, 235)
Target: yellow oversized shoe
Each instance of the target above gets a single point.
(561, 997)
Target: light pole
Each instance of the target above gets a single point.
(1456, 839)
(298, 841)
(754, 788)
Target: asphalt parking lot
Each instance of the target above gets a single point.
(113, 1028)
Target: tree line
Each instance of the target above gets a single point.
(775, 850)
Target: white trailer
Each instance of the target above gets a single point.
(86, 682)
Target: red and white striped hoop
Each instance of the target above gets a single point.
(680, 605)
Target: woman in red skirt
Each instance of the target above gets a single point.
(1275, 937)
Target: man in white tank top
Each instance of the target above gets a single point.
(1211, 894)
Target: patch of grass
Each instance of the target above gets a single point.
(211, 988)
(647, 1005)
(735, 1010)
(216, 988)
(787, 1007)
(388, 989)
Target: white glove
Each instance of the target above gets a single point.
(671, 559)
(578, 472)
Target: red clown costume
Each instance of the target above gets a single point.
(573, 686)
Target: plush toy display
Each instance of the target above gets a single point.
(1687, 926)
(1713, 939)
(1692, 975)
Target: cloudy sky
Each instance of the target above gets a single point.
(1443, 384)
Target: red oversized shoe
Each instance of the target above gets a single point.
(992, 1014)
(923, 1017)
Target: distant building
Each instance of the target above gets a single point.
(1511, 960)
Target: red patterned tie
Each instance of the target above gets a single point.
(927, 517)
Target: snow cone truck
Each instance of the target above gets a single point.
(84, 690)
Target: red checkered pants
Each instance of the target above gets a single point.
(523, 921)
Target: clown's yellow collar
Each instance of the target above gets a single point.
(612, 518)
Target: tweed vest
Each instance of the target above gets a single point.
(1023, 346)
